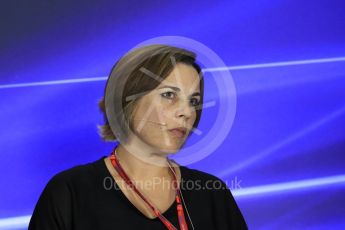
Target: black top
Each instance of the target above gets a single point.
(82, 198)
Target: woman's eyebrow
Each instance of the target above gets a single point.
(172, 87)
(178, 89)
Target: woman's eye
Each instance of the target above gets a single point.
(171, 95)
(195, 102)
(168, 95)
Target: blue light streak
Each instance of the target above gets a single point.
(225, 68)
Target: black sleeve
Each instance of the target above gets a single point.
(227, 213)
(235, 220)
(53, 210)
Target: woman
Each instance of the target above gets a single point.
(152, 104)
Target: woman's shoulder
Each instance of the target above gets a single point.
(196, 175)
(64, 191)
(78, 174)
(207, 187)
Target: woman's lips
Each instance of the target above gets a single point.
(178, 132)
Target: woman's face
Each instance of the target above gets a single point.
(171, 105)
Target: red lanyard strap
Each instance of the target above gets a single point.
(167, 223)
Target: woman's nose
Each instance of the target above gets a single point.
(184, 109)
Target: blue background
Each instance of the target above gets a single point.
(288, 133)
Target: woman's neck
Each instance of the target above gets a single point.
(144, 165)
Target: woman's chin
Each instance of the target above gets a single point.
(169, 149)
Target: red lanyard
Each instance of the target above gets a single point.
(181, 218)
